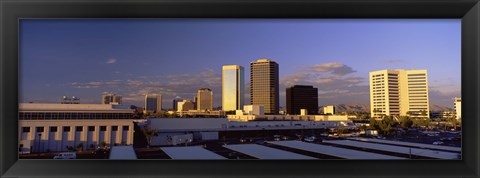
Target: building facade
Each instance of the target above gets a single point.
(329, 110)
(153, 103)
(204, 99)
(247, 118)
(399, 93)
(45, 127)
(175, 103)
(233, 86)
(457, 105)
(184, 105)
(302, 97)
(111, 98)
(264, 85)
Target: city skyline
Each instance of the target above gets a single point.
(136, 57)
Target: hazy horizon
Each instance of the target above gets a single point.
(176, 57)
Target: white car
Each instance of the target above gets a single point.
(310, 139)
(438, 143)
(66, 155)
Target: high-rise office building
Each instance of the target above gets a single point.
(302, 97)
(233, 86)
(204, 99)
(153, 103)
(111, 98)
(399, 93)
(175, 102)
(195, 101)
(264, 83)
(457, 105)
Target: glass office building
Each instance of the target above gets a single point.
(233, 86)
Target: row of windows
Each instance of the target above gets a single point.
(417, 93)
(417, 84)
(416, 80)
(77, 128)
(63, 115)
(416, 74)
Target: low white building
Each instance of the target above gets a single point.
(329, 110)
(246, 118)
(52, 127)
(254, 110)
(177, 131)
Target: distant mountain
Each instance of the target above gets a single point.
(350, 107)
(434, 107)
(366, 107)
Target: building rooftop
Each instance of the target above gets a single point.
(262, 60)
(194, 152)
(122, 152)
(333, 151)
(70, 107)
(263, 152)
(227, 67)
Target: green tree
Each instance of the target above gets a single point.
(80, 146)
(373, 124)
(453, 121)
(386, 125)
(406, 122)
(103, 144)
(423, 112)
(421, 122)
(149, 133)
(341, 131)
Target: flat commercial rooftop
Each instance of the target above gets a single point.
(420, 145)
(122, 152)
(263, 152)
(397, 149)
(192, 152)
(333, 151)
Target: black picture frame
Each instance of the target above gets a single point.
(11, 11)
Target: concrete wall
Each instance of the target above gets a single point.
(57, 141)
(179, 124)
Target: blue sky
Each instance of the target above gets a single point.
(175, 57)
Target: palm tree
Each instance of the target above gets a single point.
(149, 133)
(453, 120)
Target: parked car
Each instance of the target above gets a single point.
(310, 139)
(66, 155)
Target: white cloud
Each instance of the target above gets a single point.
(184, 85)
(335, 83)
(332, 67)
(111, 61)
(392, 60)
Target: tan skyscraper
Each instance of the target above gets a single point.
(233, 86)
(264, 85)
(184, 105)
(399, 93)
(204, 99)
(457, 105)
